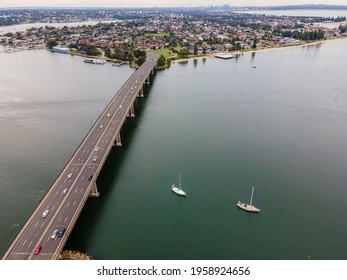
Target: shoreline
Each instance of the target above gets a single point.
(261, 50)
(211, 55)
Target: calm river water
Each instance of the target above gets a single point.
(224, 125)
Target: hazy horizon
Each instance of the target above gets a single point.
(157, 3)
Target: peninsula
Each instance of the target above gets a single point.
(125, 35)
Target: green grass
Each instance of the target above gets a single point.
(165, 52)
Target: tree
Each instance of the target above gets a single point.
(138, 53)
(73, 46)
(184, 52)
(140, 60)
(107, 52)
(51, 43)
(195, 50)
(161, 61)
(343, 28)
(254, 46)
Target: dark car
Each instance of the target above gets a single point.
(90, 177)
(37, 250)
(61, 231)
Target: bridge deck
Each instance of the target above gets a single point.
(88, 159)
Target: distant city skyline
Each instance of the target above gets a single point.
(159, 3)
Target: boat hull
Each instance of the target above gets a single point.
(247, 207)
(178, 191)
(224, 55)
(95, 61)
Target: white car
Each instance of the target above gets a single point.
(54, 234)
(45, 213)
(101, 126)
(95, 158)
(109, 115)
(65, 191)
(69, 176)
(96, 149)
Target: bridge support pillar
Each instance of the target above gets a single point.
(118, 141)
(131, 111)
(94, 191)
(141, 92)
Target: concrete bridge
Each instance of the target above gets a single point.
(46, 231)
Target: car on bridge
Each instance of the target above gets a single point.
(37, 250)
(69, 176)
(61, 231)
(54, 234)
(45, 213)
(95, 158)
(90, 177)
(65, 191)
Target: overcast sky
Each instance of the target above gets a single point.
(158, 3)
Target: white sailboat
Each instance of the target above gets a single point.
(178, 190)
(248, 207)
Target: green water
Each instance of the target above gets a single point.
(223, 125)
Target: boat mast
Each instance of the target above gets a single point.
(251, 196)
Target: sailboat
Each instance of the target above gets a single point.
(178, 190)
(248, 207)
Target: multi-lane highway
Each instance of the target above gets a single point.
(61, 206)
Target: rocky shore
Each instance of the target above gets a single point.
(74, 255)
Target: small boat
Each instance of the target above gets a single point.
(178, 190)
(94, 61)
(224, 55)
(118, 64)
(248, 207)
(254, 66)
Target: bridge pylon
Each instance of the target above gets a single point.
(117, 141)
(141, 93)
(94, 191)
(131, 111)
